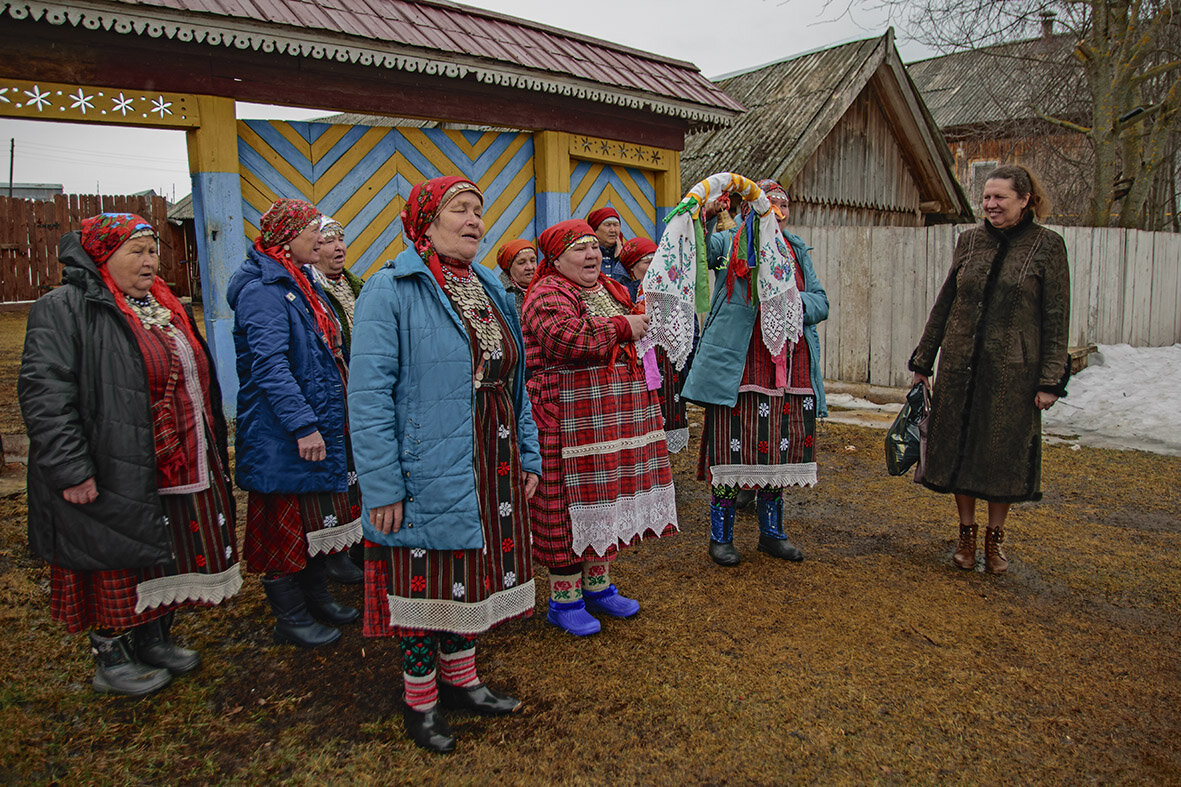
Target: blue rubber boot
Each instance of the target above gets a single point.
(609, 602)
(772, 539)
(572, 617)
(721, 535)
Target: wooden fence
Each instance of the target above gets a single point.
(882, 281)
(30, 231)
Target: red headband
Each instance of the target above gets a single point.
(597, 217)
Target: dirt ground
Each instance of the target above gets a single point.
(874, 660)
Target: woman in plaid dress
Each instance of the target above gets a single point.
(606, 481)
(447, 456)
(129, 497)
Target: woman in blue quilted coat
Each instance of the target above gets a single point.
(447, 455)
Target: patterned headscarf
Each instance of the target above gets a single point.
(426, 201)
(597, 217)
(770, 186)
(285, 219)
(282, 222)
(635, 250)
(509, 251)
(554, 241)
(330, 227)
(102, 235)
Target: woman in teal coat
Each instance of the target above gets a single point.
(760, 411)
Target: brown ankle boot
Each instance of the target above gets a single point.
(965, 553)
(995, 561)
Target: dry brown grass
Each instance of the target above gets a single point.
(873, 661)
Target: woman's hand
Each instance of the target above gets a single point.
(531, 482)
(1044, 401)
(80, 494)
(311, 448)
(639, 324)
(920, 378)
(387, 519)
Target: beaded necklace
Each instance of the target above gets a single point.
(469, 296)
(600, 303)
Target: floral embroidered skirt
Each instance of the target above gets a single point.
(409, 592)
(763, 441)
(283, 531)
(672, 407)
(203, 571)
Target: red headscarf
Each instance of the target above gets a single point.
(597, 217)
(102, 235)
(635, 250)
(509, 251)
(555, 240)
(423, 206)
(283, 221)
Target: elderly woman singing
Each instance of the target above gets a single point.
(607, 481)
(447, 455)
(129, 497)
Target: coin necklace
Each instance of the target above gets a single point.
(469, 295)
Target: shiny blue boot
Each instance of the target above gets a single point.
(610, 602)
(721, 535)
(572, 617)
(772, 539)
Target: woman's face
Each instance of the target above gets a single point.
(331, 256)
(784, 206)
(581, 263)
(522, 267)
(641, 267)
(305, 247)
(133, 266)
(457, 230)
(1002, 206)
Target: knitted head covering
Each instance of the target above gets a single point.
(635, 250)
(330, 228)
(597, 217)
(285, 219)
(509, 251)
(102, 235)
(423, 206)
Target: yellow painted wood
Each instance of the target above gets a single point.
(609, 151)
(324, 143)
(345, 164)
(668, 184)
(429, 151)
(579, 191)
(59, 101)
(247, 135)
(469, 149)
(360, 198)
(213, 146)
(551, 161)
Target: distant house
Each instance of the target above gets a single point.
(990, 104)
(31, 190)
(845, 131)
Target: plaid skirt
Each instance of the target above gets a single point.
(204, 569)
(765, 440)
(283, 531)
(606, 481)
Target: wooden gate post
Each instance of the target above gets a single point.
(221, 245)
(551, 173)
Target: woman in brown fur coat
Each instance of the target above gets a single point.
(1000, 326)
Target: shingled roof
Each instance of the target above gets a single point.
(793, 104)
(432, 37)
(1001, 84)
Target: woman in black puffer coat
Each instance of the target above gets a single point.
(129, 498)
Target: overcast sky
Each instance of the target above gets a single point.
(719, 37)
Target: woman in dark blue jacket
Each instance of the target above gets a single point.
(292, 452)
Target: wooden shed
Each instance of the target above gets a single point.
(845, 131)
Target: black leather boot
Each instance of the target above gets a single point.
(154, 647)
(313, 580)
(117, 671)
(293, 624)
(428, 729)
(478, 698)
(342, 570)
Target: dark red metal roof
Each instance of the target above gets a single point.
(450, 32)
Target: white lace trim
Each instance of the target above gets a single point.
(611, 524)
(802, 474)
(192, 387)
(334, 539)
(782, 319)
(672, 324)
(460, 617)
(612, 446)
(677, 439)
(199, 588)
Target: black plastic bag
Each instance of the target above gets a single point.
(904, 440)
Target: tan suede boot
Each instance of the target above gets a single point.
(995, 561)
(965, 553)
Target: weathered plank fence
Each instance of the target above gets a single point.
(882, 281)
(30, 230)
